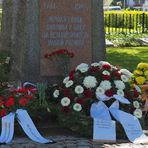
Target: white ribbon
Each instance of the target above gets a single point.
(28, 83)
(100, 110)
(117, 97)
(7, 128)
(129, 122)
(29, 127)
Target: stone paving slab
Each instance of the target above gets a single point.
(70, 142)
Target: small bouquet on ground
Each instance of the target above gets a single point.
(140, 75)
(61, 59)
(15, 97)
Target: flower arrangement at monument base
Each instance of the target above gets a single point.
(140, 77)
(88, 84)
(14, 97)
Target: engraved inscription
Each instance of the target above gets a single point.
(65, 24)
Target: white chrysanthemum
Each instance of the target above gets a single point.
(66, 79)
(138, 88)
(119, 84)
(100, 91)
(105, 85)
(56, 93)
(124, 78)
(95, 64)
(69, 83)
(120, 92)
(136, 104)
(138, 113)
(126, 72)
(79, 89)
(90, 82)
(105, 72)
(65, 101)
(82, 67)
(77, 107)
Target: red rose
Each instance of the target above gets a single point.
(109, 93)
(9, 102)
(65, 109)
(106, 66)
(23, 101)
(88, 93)
(106, 77)
(3, 112)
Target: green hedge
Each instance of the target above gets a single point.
(126, 21)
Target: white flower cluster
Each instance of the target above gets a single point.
(105, 85)
(137, 112)
(83, 67)
(126, 72)
(119, 84)
(90, 82)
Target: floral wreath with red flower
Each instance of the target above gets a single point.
(15, 98)
(81, 88)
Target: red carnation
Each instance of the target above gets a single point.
(109, 93)
(106, 77)
(23, 101)
(128, 95)
(46, 55)
(9, 102)
(94, 69)
(65, 109)
(71, 75)
(80, 101)
(22, 90)
(29, 96)
(66, 92)
(88, 93)
(1, 103)
(136, 94)
(1, 98)
(3, 112)
(117, 74)
(106, 66)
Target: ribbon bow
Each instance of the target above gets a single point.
(129, 122)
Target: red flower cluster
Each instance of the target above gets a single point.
(17, 98)
(60, 52)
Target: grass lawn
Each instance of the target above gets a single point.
(127, 57)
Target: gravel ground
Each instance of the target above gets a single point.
(70, 142)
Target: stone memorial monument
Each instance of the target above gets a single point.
(37, 27)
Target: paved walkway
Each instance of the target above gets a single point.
(70, 142)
